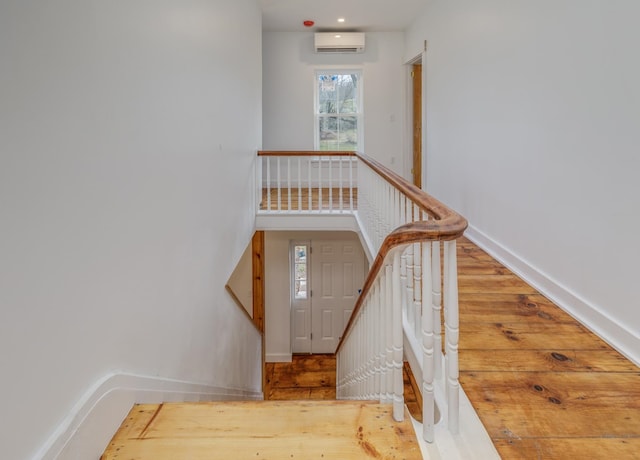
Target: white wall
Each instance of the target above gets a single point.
(278, 287)
(124, 129)
(532, 134)
(289, 63)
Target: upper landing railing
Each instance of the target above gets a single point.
(405, 290)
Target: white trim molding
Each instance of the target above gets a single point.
(94, 420)
(612, 332)
(278, 357)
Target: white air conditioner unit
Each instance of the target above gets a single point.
(339, 42)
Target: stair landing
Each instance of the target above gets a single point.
(263, 430)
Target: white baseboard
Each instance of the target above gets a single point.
(278, 357)
(612, 332)
(92, 423)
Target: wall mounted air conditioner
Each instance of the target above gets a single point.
(339, 42)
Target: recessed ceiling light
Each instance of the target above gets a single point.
(338, 36)
(340, 19)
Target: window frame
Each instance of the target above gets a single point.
(338, 70)
(292, 269)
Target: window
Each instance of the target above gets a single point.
(300, 271)
(338, 97)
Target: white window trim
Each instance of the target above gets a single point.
(316, 101)
(292, 264)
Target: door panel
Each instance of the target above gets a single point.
(337, 273)
(326, 282)
(301, 326)
(348, 280)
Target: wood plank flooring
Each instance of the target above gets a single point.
(313, 377)
(300, 199)
(263, 430)
(543, 385)
(302, 420)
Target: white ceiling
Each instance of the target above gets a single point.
(360, 15)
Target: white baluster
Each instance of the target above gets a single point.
(330, 185)
(350, 184)
(452, 333)
(320, 185)
(309, 184)
(408, 296)
(436, 297)
(279, 184)
(340, 184)
(417, 289)
(388, 306)
(289, 184)
(428, 364)
(403, 280)
(268, 183)
(299, 185)
(377, 344)
(398, 388)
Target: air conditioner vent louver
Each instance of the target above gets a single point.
(339, 42)
(337, 50)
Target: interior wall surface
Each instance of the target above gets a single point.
(289, 64)
(532, 133)
(124, 129)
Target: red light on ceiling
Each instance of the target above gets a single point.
(308, 23)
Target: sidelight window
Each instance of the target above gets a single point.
(300, 271)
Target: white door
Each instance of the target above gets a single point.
(336, 277)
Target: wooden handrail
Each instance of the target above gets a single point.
(445, 225)
(306, 153)
(415, 232)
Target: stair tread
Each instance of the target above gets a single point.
(263, 429)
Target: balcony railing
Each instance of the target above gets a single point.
(411, 289)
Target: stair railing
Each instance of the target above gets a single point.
(404, 290)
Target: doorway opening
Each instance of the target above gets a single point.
(416, 116)
(326, 278)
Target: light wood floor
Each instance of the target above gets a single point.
(543, 385)
(263, 430)
(339, 198)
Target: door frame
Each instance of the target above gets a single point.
(409, 136)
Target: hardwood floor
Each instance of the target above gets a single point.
(306, 377)
(263, 430)
(349, 199)
(314, 377)
(543, 385)
(301, 420)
